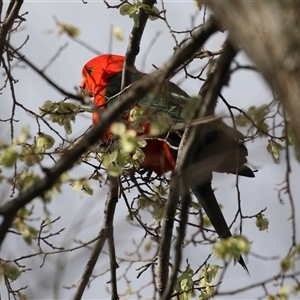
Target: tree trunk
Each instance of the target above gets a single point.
(269, 32)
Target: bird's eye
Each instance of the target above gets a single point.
(90, 70)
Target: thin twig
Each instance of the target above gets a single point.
(42, 74)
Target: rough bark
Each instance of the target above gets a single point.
(269, 32)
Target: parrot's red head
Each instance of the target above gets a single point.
(97, 73)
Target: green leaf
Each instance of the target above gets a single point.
(161, 124)
(23, 137)
(206, 221)
(261, 222)
(71, 107)
(212, 65)
(61, 112)
(118, 128)
(128, 141)
(263, 127)
(108, 158)
(128, 289)
(115, 171)
(131, 215)
(143, 202)
(68, 29)
(141, 143)
(199, 3)
(195, 205)
(67, 126)
(139, 155)
(286, 264)
(10, 271)
(137, 116)
(158, 213)
(127, 9)
(283, 293)
(186, 281)
(242, 244)
(22, 296)
(48, 106)
(207, 289)
(211, 273)
(143, 6)
(9, 157)
(148, 246)
(87, 189)
(190, 107)
(44, 141)
(242, 120)
(136, 20)
(137, 113)
(29, 156)
(231, 247)
(28, 232)
(184, 284)
(258, 114)
(155, 14)
(26, 179)
(123, 158)
(274, 149)
(118, 33)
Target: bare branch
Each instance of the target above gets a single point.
(210, 92)
(279, 63)
(42, 74)
(134, 43)
(105, 232)
(10, 17)
(261, 284)
(185, 163)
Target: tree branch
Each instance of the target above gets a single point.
(210, 92)
(133, 48)
(42, 74)
(11, 15)
(257, 284)
(106, 232)
(269, 32)
(185, 162)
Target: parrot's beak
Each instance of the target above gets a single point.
(83, 87)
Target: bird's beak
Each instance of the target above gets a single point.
(84, 89)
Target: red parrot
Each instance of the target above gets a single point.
(220, 148)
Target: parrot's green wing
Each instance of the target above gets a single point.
(167, 97)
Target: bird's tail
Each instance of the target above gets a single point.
(208, 201)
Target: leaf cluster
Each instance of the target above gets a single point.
(132, 10)
(61, 113)
(232, 248)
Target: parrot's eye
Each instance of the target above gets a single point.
(90, 70)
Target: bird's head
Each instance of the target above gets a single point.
(97, 73)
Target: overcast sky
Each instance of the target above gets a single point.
(245, 89)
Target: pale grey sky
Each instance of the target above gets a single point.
(245, 89)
